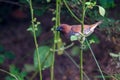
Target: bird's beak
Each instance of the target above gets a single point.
(59, 28)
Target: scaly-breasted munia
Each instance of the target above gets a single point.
(70, 30)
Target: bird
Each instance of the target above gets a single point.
(71, 30)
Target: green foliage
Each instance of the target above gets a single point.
(114, 76)
(75, 50)
(60, 46)
(2, 59)
(117, 76)
(46, 57)
(1, 48)
(108, 23)
(29, 68)
(115, 55)
(5, 55)
(107, 3)
(37, 28)
(73, 38)
(15, 71)
(90, 4)
(101, 10)
(116, 58)
(100, 77)
(93, 39)
(80, 37)
(9, 55)
(40, 12)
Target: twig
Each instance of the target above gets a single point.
(62, 48)
(9, 73)
(35, 39)
(95, 59)
(75, 64)
(12, 2)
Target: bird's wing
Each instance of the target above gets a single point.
(76, 28)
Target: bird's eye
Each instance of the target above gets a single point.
(59, 29)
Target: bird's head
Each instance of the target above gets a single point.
(64, 28)
(59, 28)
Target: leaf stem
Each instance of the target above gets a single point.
(71, 12)
(9, 73)
(33, 76)
(95, 60)
(76, 64)
(81, 63)
(81, 50)
(56, 35)
(35, 39)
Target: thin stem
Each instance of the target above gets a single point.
(75, 64)
(81, 64)
(56, 36)
(35, 39)
(83, 15)
(81, 50)
(52, 67)
(33, 76)
(12, 2)
(81, 21)
(9, 73)
(72, 59)
(71, 12)
(63, 48)
(95, 60)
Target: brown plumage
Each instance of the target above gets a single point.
(69, 30)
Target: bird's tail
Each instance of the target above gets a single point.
(96, 24)
(99, 22)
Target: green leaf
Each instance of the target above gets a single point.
(2, 59)
(38, 30)
(29, 67)
(107, 3)
(14, 70)
(53, 19)
(9, 55)
(38, 23)
(101, 11)
(75, 50)
(60, 46)
(88, 3)
(92, 41)
(45, 56)
(114, 55)
(1, 48)
(40, 12)
(9, 78)
(35, 19)
(30, 29)
(48, 1)
(73, 38)
(22, 75)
